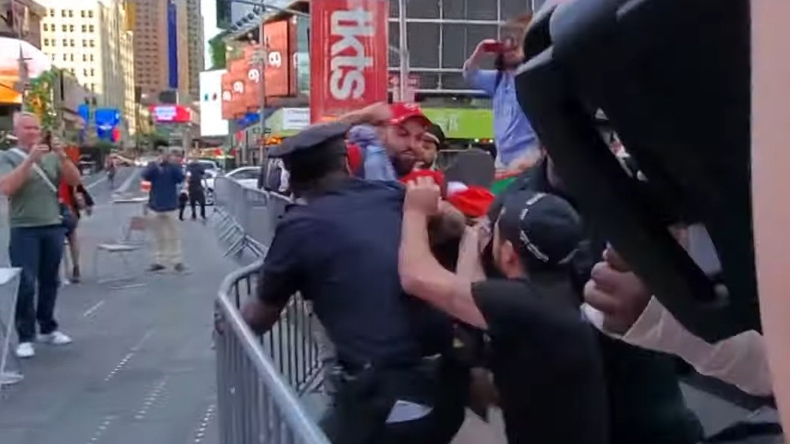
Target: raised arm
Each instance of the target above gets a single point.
(421, 275)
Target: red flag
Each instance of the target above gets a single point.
(348, 56)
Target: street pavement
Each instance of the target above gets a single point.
(141, 368)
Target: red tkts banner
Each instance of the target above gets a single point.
(348, 56)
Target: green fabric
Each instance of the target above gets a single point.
(34, 204)
(500, 185)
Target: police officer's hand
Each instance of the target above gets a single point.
(422, 196)
(616, 292)
(377, 113)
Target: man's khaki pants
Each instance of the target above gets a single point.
(168, 238)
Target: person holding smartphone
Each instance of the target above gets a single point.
(28, 174)
(516, 142)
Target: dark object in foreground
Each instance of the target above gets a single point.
(673, 77)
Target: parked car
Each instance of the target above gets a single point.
(247, 176)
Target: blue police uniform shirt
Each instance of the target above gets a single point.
(341, 252)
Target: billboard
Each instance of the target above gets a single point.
(172, 45)
(279, 71)
(171, 114)
(211, 121)
(348, 55)
(106, 120)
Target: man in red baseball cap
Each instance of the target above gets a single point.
(390, 137)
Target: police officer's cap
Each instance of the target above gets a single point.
(314, 137)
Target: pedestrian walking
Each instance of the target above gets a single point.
(165, 176)
(196, 175)
(28, 174)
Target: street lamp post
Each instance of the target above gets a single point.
(403, 50)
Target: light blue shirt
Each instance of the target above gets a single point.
(513, 134)
(377, 164)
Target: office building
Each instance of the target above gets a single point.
(93, 40)
(168, 37)
(195, 45)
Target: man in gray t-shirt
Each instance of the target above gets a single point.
(29, 177)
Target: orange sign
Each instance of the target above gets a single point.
(241, 84)
(227, 95)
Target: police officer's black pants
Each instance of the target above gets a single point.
(364, 402)
(197, 196)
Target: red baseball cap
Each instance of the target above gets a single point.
(403, 111)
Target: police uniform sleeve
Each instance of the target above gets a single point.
(282, 270)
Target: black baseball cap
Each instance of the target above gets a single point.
(434, 132)
(544, 229)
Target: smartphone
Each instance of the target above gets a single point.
(495, 47)
(48, 140)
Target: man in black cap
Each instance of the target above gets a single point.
(646, 404)
(432, 142)
(338, 247)
(545, 359)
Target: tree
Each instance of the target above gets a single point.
(38, 98)
(218, 51)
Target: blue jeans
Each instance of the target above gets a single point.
(37, 251)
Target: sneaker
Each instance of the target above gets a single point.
(25, 350)
(156, 267)
(75, 275)
(179, 268)
(55, 338)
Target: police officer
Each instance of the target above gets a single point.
(338, 247)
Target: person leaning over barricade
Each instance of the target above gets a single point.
(646, 404)
(28, 174)
(338, 247)
(545, 360)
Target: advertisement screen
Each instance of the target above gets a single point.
(211, 121)
(172, 45)
(171, 114)
(348, 55)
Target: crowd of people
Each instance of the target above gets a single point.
(430, 306)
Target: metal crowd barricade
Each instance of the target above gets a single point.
(260, 379)
(256, 403)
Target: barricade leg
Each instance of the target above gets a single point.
(10, 369)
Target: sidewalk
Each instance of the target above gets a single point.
(141, 368)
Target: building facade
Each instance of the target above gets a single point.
(91, 40)
(443, 33)
(196, 47)
(168, 49)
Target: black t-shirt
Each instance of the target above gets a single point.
(196, 175)
(546, 363)
(341, 252)
(646, 404)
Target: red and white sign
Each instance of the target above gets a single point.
(171, 114)
(348, 56)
